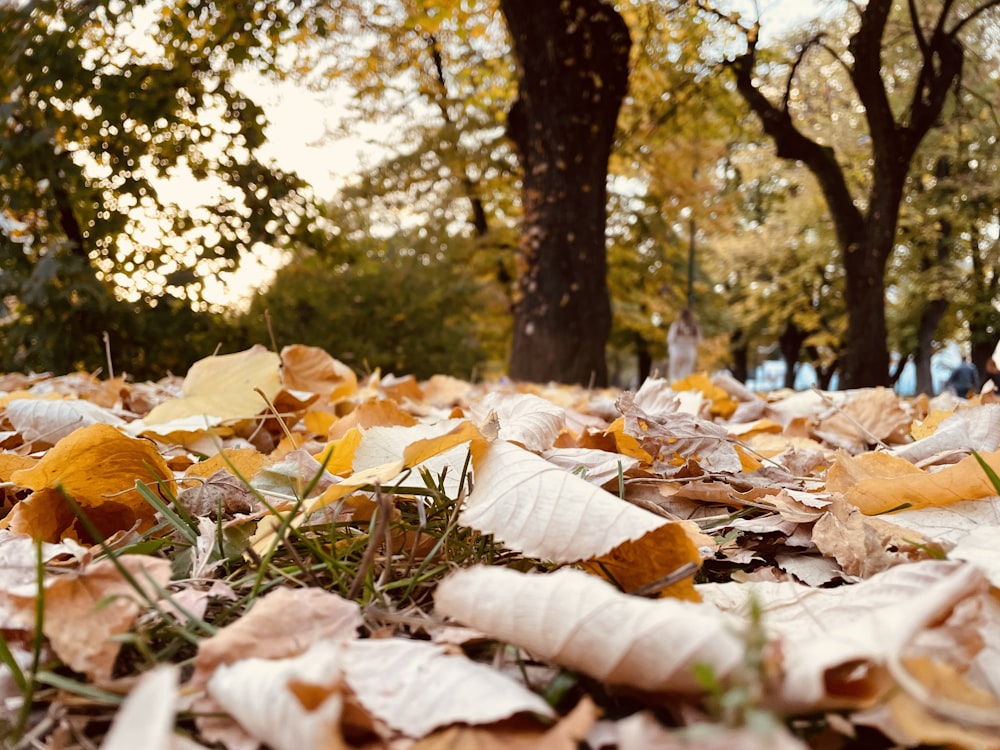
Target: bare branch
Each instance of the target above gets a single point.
(975, 13)
(917, 31)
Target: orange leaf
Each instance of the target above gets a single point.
(659, 553)
(98, 467)
(878, 482)
(371, 414)
(309, 368)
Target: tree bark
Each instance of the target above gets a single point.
(867, 237)
(572, 76)
(739, 354)
(791, 341)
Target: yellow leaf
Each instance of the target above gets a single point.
(98, 467)
(929, 424)
(338, 455)
(319, 422)
(722, 405)
(625, 443)
(11, 462)
(223, 386)
(876, 482)
(245, 462)
(421, 450)
(748, 462)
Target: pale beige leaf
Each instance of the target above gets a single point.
(527, 420)
(86, 610)
(979, 546)
(674, 439)
(837, 643)
(585, 624)
(146, 718)
(975, 428)
(40, 420)
(641, 731)
(864, 545)
(416, 687)
(596, 466)
(870, 416)
(655, 396)
(269, 631)
(947, 524)
(544, 511)
(224, 386)
(288, 704)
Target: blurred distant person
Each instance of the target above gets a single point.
(683, 338)
(993, 367)
(964, 379)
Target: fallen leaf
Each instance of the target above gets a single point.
(659, 553)
(580, 622)
(224, 386)
(878, 482)
(309, 368)
(531, 422)
(416, 687)
(371, 413)
(837, 643)
(290, 703)
(267, 631)
(869, 416)
(85, 611)
(108, 496)
(543, 511)
(864, 545)
(674, 439)
(517, 734)
(146, 718)
(641, 731)
(43, 422)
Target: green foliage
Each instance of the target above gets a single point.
(399, 306)
(99, 101)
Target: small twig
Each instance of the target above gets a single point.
(107, 354)
(379, 525)
(276, 414)
(836, 407)
(684, 571)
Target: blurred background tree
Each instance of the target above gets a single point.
(101, 101)
(132, 181)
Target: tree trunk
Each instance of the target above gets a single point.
(867, 238)
(739, 352)
(572, 77)
(791, 341)
(644, 359)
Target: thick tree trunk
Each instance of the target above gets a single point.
(573, 75)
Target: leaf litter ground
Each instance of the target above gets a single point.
(272, 552)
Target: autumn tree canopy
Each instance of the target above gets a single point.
(504, 163)
(101, 101)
